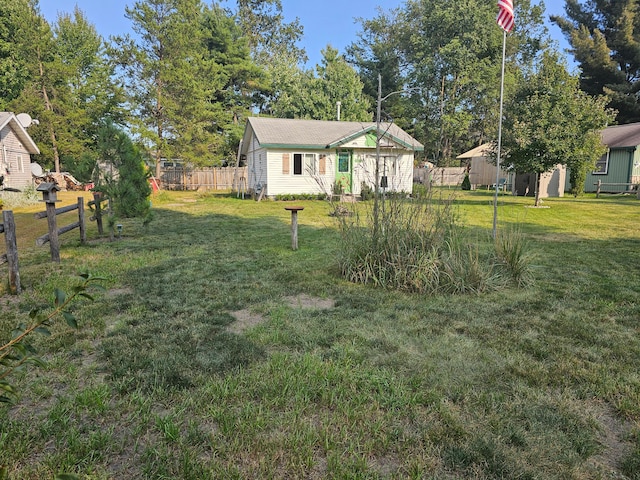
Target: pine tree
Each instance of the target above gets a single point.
(605, 41)
(168, 78)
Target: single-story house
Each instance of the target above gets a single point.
(621, 163)
(290, 156)
(16, 148)
(483, 172)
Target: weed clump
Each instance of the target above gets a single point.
(418, 244)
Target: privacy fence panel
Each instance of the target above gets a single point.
(213, 178)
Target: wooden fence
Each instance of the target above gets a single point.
(439, 175)
(8, 227)
(630, 188)
(52, 237)
(212, 178)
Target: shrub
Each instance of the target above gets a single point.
(366, 191)
(466, 183)
(130, 191)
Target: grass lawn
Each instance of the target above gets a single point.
(217, 352)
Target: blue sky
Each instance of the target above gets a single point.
(322, 24)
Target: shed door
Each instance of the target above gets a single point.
(344, 171)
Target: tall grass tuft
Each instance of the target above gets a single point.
(514, 255)
(413, 244)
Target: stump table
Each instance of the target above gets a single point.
(294, 225)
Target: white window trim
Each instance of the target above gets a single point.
(606, 166)
(304, 171)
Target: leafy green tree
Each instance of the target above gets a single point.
(69, 86)
(305, 95)
(13, 69)
(605, 41)
(338, 81)
(550, 121)
(441, 52)
(43, 85)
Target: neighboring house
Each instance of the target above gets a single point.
(16, 148)
(483, 172)
(288, 156)
(621, 163)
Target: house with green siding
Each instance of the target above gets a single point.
(620, 165)
(293, 156)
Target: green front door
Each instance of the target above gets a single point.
(344, 171)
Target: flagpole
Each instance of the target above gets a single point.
(495, 193)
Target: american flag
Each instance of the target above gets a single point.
(505, 14)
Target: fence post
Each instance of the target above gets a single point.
(49, 197)
(83, 231)
(598, 189)
(12, 251)
(96, 202)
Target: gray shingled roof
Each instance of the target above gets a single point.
(620, 136)
(320, 133)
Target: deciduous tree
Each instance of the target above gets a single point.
(550, 121)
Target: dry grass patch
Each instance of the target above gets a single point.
(309, 302)
(245, 319)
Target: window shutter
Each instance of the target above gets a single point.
(322, 168)
(285, 164)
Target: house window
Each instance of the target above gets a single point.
(343, 162)
(390, 166)
(20, 163)
(297, 164)
(602, 165)
(304, 164)
(310, 163)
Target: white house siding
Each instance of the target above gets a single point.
(257, 165)
(280, 181)
(15, 161)
(399, 179)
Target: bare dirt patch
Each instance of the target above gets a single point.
(613, 433)
(244, 319)
(306, 301)
(115, 292)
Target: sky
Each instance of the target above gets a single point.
(322, 25)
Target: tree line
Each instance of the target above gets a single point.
(184, 80)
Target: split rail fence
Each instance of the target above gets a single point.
(54, 232)
(630, 187)
(8, 227)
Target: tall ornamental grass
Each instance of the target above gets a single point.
(418, 244)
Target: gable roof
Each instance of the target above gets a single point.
(483, 150)
(320, 134)
(9, 118)
(620, 136)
